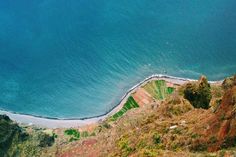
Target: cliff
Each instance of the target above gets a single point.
(159, 119)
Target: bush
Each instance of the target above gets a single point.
(156, 138)
(93, 134)
(213, 140)
(74, 133)
(229, 142)
(106, 125)
(124, 146)
(45, 140)
(199, 147)
(198, 94)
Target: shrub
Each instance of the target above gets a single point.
(213, 140)
(199, 147)
(106, 125)
(198, 94)
(156, 138)
(54, 135)
(194, 136)
(123, 144)
(150, 152)
(73, 139)
(177, 131)
(74, 133)
(93, 134)
(45, 140)
(229, 142)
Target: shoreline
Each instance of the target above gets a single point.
(50, 122)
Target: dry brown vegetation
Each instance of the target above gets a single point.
(170, 127)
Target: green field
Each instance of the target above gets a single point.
(158, 89)
(131, 103)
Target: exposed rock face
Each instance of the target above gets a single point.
(227, 112)
(198, 94)
(223, 123)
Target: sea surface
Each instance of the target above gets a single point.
(77, 58)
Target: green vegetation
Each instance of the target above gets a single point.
(213, 139)
(147, 131)
(106, 125)
(170, 90)
(45, 140)
(194, 136)
(199, 147)
(54, 135)
(158, 89)
(198, 94)
(150, 152)
(156, 138)
(10, 135)
(16, 141)
(229, 142)
(177, 131)
(93, 134)
(124, 146)
(131, 103)
(74, 133)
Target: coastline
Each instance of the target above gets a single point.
(48, 122)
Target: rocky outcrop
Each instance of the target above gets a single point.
(198, 94)
(223, 123)
(229, 82)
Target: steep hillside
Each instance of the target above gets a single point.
(159, 119)
(170, 127)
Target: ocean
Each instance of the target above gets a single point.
(77, 58)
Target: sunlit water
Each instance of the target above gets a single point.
(77, 58)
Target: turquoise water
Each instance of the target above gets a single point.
(77, 58)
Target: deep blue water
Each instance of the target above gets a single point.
(77, 58)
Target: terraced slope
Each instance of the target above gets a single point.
(142, 97)
(158, 89)
(153, 90)
(131, 103)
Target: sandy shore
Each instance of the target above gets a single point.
(68, 123)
